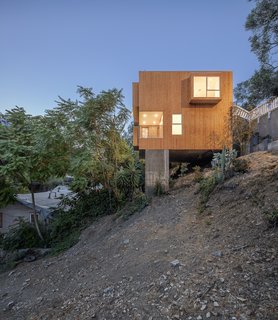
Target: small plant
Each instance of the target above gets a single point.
(207, 185)
(240, 165)
(272, 218)
(159, 189)
(198, 174)
(138, 203)
(183, 168)
(221, 163)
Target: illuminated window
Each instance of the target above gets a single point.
(151, 124)
(176, 124)
(206, 87)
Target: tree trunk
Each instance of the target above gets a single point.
(35, 215)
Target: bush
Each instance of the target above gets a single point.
(75, 214)
(23, 235)
(272, 218)
(159, 189)
(138, 203)
(207, 185)
(240, 165)
(198, 174)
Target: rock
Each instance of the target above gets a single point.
(126, 241)
(203, 307)
(10, 305)
(108, 290)
(208, 315)
(199, 318)
(175, 263)
(29, 258)
(215, 304)
(217, 254)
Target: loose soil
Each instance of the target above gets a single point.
(167, 262)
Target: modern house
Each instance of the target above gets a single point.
(178, 115)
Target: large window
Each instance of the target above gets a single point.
(176, 124)
(151, 124)
(206, 87)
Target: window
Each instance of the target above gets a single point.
(151, 124)
(1, 220)
(206, 87)
(176, 124)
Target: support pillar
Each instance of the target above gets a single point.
(156, 170)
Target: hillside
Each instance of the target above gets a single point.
(226, 260)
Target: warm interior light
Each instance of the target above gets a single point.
(144, 115)
(154, 122)
(144, 122)
(156, 115)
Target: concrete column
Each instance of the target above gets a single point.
(156, 170)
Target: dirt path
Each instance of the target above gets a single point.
(168, 262)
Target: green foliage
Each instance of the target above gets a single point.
(75, 214)
(128, 179)
(207, 185)
(240, 165)
(7, 192)
(138, 203)
(198, 174)
(23, 235)
(262, 22)
(159, 188)
(272, 218)
(221, 163)
(183, 168)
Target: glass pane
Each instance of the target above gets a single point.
(200, 86)
(213, 83)
(176, 118)
(144, 132)
(177, 129)
(213, 93)
(151, 118)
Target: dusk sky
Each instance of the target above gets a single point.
(48, 47)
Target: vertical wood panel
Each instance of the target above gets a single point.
(204, 125)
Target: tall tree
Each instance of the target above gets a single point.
(263, 23)
(31, 152)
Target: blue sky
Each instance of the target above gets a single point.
(48, 47)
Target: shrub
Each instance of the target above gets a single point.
(207, 185)
(198, 174)
(272, 218)
(159, 189)
(183, 168)
(138, 203)
(23, 235)
(75, 214)
(240, 165)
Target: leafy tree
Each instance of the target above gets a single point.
(263, 23)
(31, 152)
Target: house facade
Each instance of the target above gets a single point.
(180, 114)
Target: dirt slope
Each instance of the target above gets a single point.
(227, 264)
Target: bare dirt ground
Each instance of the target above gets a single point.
(167, 262)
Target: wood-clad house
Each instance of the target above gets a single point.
(180, 113)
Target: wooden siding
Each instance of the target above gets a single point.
(135, 136)
(135, 102)
(204, 126)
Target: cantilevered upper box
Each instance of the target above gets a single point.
(182, 110)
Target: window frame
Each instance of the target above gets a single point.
(207, 87)
(206, 99)
(177, 124)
